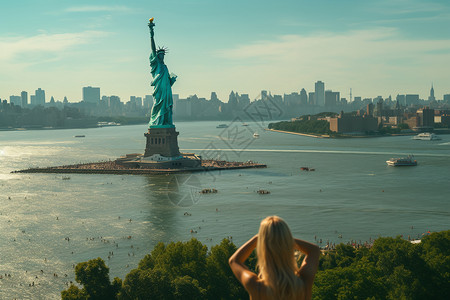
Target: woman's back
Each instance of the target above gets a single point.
(279, 276)
(264, 292)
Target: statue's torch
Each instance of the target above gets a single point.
(151, 25)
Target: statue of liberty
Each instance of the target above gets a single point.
(161, 115)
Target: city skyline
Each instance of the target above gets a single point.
(383, 48)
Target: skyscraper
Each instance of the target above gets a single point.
(431, 97)
(40, 97)
(24, 96)
(303, 97)
(319, 93)
(311, 98)
(16, 100)
(331, 98)
(148, 101)
(91, 94)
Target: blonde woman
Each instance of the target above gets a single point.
(279, 276)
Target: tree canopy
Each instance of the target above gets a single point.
(392, 268)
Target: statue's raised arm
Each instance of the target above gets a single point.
(152, 34)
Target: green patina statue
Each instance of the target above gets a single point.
(161, 116)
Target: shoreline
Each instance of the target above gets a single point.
(327, 136)
(112, 167)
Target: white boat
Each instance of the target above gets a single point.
(426, 136)
(256, 135)
(404, 161)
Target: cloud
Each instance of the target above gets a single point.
(93, 8)
(404, 7)
(380, 43)
(372, 59)
(15, 49)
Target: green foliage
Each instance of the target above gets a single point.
(184, 271)
(94, 277)
(403, 126)
(303, 126)
(391, 269)
(73, 293)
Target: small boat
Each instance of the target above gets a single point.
(307, 169)
(404, 161)
(244, 124)
(426, 136)
(208, 191)
(263, 192)
(256, 135)
(222, 126)
(79, 136)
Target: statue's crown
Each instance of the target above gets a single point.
(162, 50)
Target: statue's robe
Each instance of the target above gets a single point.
(162, 93)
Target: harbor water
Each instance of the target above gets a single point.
(51, 222)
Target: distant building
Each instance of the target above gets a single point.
(264, 95)
(447, 98)
(331, 98)
(40, 97)
(353, 124)
(303, 97)
(292, 99)
(431, 97)
(401, 99)
(24, 96)
(411, 99)
(91, 94)
(33, 100)
(311, 98)
(319, 93)
(424, 119)
(16, 100)
(233, 100)
(148, 101)
(370, 109)
(244, 100)
(114, 103)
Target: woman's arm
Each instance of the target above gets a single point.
(247, 278)
(310, 264)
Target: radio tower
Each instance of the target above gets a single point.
(350, 94)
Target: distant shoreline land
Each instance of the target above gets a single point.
(347, 125)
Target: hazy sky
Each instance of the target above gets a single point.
(386, 47)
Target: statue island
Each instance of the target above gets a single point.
(162, 154)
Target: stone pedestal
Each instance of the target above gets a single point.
(162, 141)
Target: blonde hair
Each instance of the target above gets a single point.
(276, 262)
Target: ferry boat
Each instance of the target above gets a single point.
(404, 161)
(426, 136)
(222, 126)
